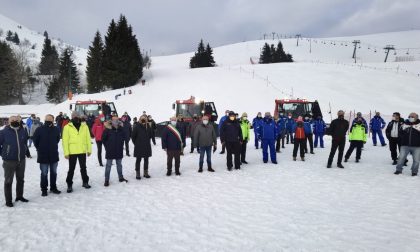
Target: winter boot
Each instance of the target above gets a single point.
(395, 162)
(138, 176)
(69, 189)
(345, 160)
(44, 193)
(357, 160)
(210, 169)
(86, 185)
(22, 199)
(122, 179)
(294, 158)
(169, 173)
(244, 162)
(414, 174)
(302, 158)
(146, 173)
(9, 204)
(340, 166)
(200, 169)
(55, 191)
(106, 184)
(397, 172)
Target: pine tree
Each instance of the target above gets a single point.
(122, 60)
(45, 34)
(203, 57)
(8, 74)
(16, 39)
(54, 93)
(94, 65)
(266, 55)
(49, 59)
(9, 36)
(67, 79)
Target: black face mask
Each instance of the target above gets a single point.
(76, 120)
(15, 124)
(340, 117)
(48, 123)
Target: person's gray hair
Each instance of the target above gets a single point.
(75, 114)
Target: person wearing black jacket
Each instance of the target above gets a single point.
(13, 142)
(410, 144)
(338, 130)
(127, 132)
(46, 139)
(392, 133)
(141, 135)
(231, 137)
(172, 143)
(181, 126)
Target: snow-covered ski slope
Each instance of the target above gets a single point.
(326, 73)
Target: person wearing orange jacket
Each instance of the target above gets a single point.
(300, 139)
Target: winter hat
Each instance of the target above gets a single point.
(75, 114)
(359, 114)
(227, 111)
(267, 114)
(244, 114)
(259, 113)
(299, 119)
(231, 113)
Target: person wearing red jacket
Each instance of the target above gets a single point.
(300, 139)
(97, 130)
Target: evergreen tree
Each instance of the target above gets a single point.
(94, 65)
(203, 57)
(49, 59)
(68, 75)
(54, 92)
(266, 55)
(9, 36)
(45, 34)
(122, 59)
(9, 70)
(16, 39)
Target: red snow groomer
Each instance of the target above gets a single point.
(188, 108)
(94, 107)
(297, 107)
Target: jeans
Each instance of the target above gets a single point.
(405, 150)
(10, 169)
(205, 150)
(381, 137)
(321, 140)
(269, 143)
(44, 176)
(108, 168)
(30, 142)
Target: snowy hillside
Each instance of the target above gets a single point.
(36, 39)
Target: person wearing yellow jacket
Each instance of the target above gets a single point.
(357, 138)
(245, 128)
(76, 145)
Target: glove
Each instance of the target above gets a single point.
(214, 148)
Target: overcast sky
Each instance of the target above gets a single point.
(174, 26)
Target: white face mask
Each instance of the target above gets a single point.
(412, 119)
(306, 118)
(244, 118)
(205, 122)
(290, 117)
(173, 123)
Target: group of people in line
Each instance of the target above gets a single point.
(115, 133)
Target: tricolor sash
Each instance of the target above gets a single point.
(175, 132)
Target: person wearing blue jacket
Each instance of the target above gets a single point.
(319, 127)
(172, 144)
(222, 120)
(267, 133)
(281, 129)
(307, 126)
(46, 139)
(256, 122)
(377, 124)
(290, 127)
(13, 144)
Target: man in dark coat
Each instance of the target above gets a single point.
(392, 132)
(181, 126)
(113, 140)
(231, 137)
(338, 130)
(46, 139)
(141, 135)
(13, 144)
(193, 125)
(204, 139)
(172, 143)
(127, 133)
